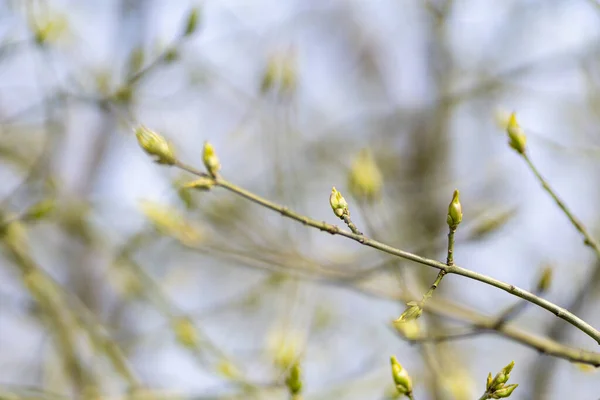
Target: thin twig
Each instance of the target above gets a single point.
(454, 269)
(588, 239)
(443, 308)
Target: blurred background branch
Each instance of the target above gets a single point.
(117, 283)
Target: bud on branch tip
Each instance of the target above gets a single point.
(401, 378)
(413, 311)
(338, 203)
(516, 137)
(155, 145)
(211, 160)
(496, 388)
(454, 211)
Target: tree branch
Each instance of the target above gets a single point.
(454, 269)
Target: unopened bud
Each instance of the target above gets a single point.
(294, 381)
(409, 329)
(401, 377)
(365, 180)
(501, 378)
(203, 183)
(488, 384)
(506, 391)
(545, 280)
(211, 160)
(185, 332)
(169, 221)
(40, 210)
(228, 369)
(454, 211)
(338, 203)
(171, 54)
(155, 145)
(192, 22)
(270, 75)
(412, 312)
(490, 223)
(516, 136)
(508, 369)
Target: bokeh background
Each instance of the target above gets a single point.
(129, 286)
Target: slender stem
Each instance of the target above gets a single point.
(485, 396)
(449, 262)
(450, 257)
(588, 239)
(434, 286)
(351, 225)
(453, 269)
(481, 324)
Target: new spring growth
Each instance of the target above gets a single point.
(496, 388)
(228, 369)
(192, 22)
(40, 210)
(545, 280)
(516, 137)
(491, 223)
(211, 160)
(185, 332)
(338, 203)
(49, 28)
(270, 75)
(454, 211)
(408, 329)
(365, 180)
(155, 145)
(169, 221)
(294, 380)
(203, 183)
(413, 311)
(401, 378)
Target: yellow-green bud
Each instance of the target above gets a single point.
(491, 223)
(365, 180)
(192, 22)
(171, 54)
(506, 391)
(401, 377)
(50, 28)
(185, 332)
(454, 211)
(123, 94)
(545, 280)
(227, 369)
(203, 183)
(489, 382)
(516, 137)
(409, 329)
(338, 203)
(211, 160)
(270, 76)
(507, 370)
(155, 145)
(412, 312)
(40, 210)
(294, 381)
(169, 221)
(501, 377)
